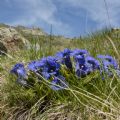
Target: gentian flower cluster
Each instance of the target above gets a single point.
(50, 67)
(108, 63)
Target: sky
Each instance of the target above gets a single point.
(69, 18)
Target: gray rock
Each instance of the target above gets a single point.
(11, 40)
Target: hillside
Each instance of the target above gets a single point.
(90, 97)
(21, 37)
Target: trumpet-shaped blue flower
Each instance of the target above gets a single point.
(64, 57)
(19, 70)
(106, 68)
(92, 63)
(35, 66)
(58, 83)
(79, 52)
(79, 59)
(81, 67)
(110, 59)
(50, 67)
(108, 62)
(82, 70)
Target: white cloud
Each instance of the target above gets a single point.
(97, 11)
(35, 11)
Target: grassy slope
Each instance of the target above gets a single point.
(89, 98)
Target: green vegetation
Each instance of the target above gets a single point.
(89, 98)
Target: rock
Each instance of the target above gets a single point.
(3, 49)
(11, 40)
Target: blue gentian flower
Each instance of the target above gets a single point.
(101, 56)
(81, 68)
(80, 59)
(79, 52)
(108, 62)
(92, 63)
(110, 59)
(20, 71)
(58, 83)
(64, 57)
(106, 67)
(35, 65)
(50, 67)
